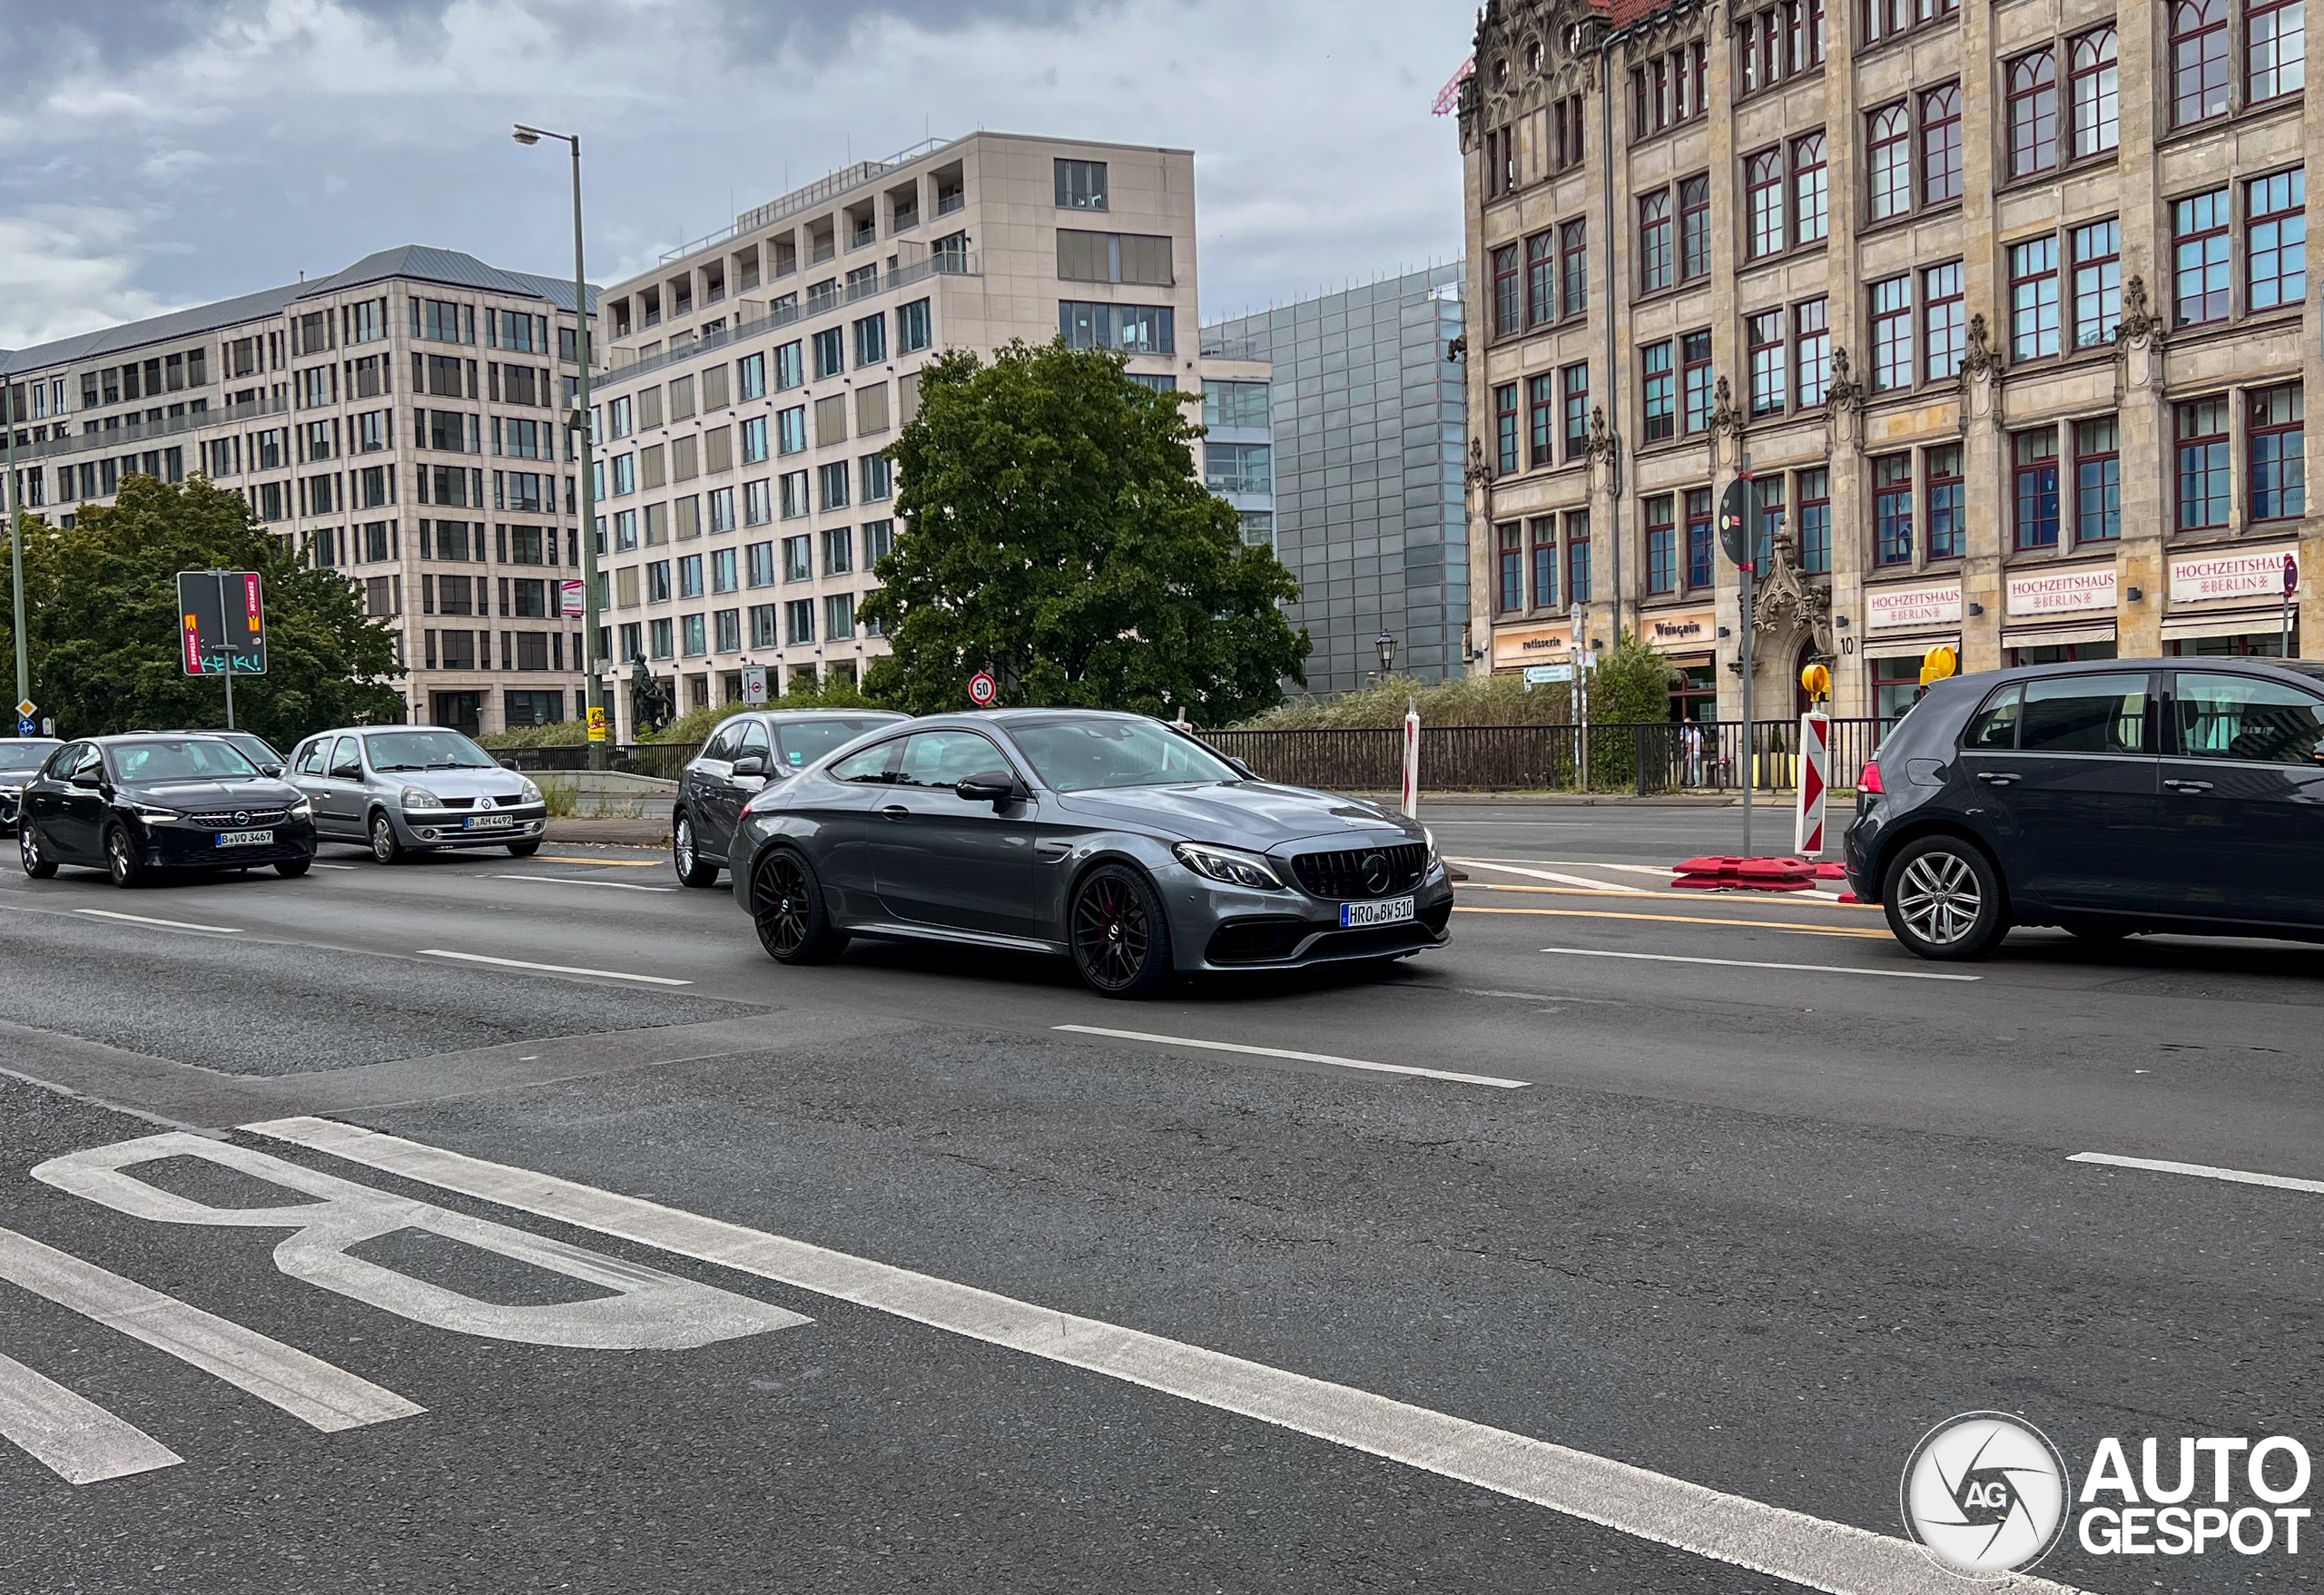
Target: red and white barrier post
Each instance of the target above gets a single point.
(1412, 759)
(1815, 772)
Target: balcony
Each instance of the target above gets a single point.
(118, 438)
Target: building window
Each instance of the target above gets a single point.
(1501, 162)
(1504, 430)
(1508, 286)
(1811, 326)
(1769, 491)
(2033, 114)
(1541, 278)
(1573, 268)
(1667, 91)
(1941, 146)
(1948, 537)
(1540, 420)
(2097, 481)
(2278, 475)
(2097, 283)
(2094, 88)
(1888, 142)
(1510, 567)
(2033, 297)
(2203, 464)
(1661, 544)
(1543, 537)
(1698, 383)
(1567, 150)
(1891, 510)
(1702, 571)
(1810, 190)
(1574, 383)
(1656, 266)
(1763, 193)
(1125, 329)
(1081, 185)
(2198, 60)
(1885, 19)
(1764, 342)
(1694, 229)
(1577, 556)
(2275, 240)
(2199, 261)
(1892, 334)
(2275, 49)
(1944, 320)
(1778, 43)
(1814, 521)
(2036, 457)
(1660, 390)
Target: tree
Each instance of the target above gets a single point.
(1630, 686)
(1055, 535)
(102, 624)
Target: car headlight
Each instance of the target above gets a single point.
(1229, 865)
(153, 811)
(420, 797)
(526, 791)
(302, 809)
(1430, 837)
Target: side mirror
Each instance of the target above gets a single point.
(996, 787)
(272, 772)
(750, 764)
(1245, 771)
(89, 778)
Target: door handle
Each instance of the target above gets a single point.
(895, 812)
(2188, 785)
(1997, 777)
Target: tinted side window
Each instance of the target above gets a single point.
(1996, 725)
(722, 742)
(872, 765)
(67, 759)
(2086, 714)
(947, 758)
(754, 742)
(2237, 717)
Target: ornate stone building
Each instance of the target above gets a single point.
(2003, 308)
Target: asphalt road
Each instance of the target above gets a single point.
(679, 1271)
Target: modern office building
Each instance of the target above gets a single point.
(1367, 418)
(2004, 308)
(397, 421)
(757, 375)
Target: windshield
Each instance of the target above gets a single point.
(806, 741)
(1082, 755)
(19, 756)
(426, 749)
(253, 749)
(190, 758)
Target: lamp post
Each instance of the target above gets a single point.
(1387, 646)
(593, 663)
(15, 543)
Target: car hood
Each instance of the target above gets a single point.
(1252, 814)
(495, 781)
(210, 796)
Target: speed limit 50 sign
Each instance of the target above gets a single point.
(983, 689)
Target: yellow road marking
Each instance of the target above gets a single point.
(1787, 898)
(1678, 919)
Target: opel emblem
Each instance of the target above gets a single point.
(1376, 871)
(241, 817)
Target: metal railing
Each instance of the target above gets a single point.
(115, 440)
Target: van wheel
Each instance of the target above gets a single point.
(1944, 899)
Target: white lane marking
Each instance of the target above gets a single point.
(1541, 996)
(1385, 1069)
(1745, 963)
(321, 865)
(577, 880)
(2241, 1177)
(310, 1390)
(1835, 1557)
(1540, 875)
(167, 924)
(518, 963)
(76, 1440)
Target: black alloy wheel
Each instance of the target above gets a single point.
(787, 907)
(38, 864)
(692, 870)
(121, 860)
(1121, 943)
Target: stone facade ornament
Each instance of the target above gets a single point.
(2139, 340)
(1788, 604)
(1603, 442)
(1844, 392)
(1980, 358)
(2140, 323)
(1725, 417)
(1480, 474)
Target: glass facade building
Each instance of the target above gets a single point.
(1369, 421)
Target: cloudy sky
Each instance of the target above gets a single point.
(172, 152)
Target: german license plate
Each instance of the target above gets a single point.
(246, 838)
(1388, 911)
(487, 821)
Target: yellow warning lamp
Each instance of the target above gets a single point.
(1939, 663)
(1816, 681)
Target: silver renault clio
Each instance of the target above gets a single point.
(403, 789)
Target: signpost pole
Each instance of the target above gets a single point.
(1750, 759)
(15, 548)
(2291, 585)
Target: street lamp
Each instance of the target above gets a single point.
(593, 663)
(1387, 646)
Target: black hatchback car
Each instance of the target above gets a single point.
(743, 755)
(2108, 798)
(131, 805)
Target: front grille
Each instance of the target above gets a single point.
(241, 819)
(1343, 874)
(460, 802)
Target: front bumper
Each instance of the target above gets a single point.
(9, 796)
(425, 828)
(1220, 928)
(180, 845)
